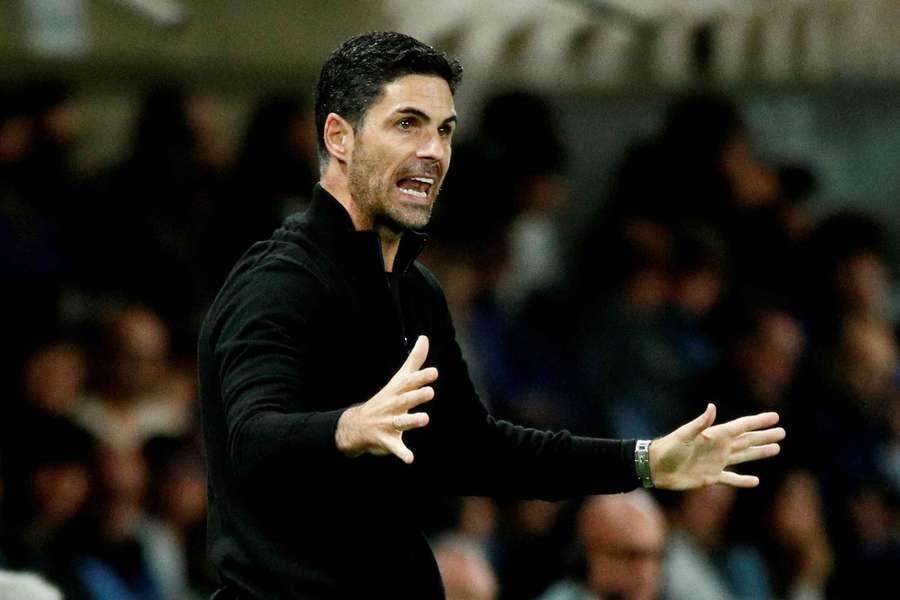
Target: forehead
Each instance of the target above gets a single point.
(427, 93)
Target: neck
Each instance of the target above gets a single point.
(390, 243)
(335, 182)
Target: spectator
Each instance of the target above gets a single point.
(46, 456)
(854, 394)
(271, 180)
(529, 547)
(801, 556)
(765, 348)
(137, 394)
(58, 488)
(142, 233)
(702, 563)
(466, 573)
(621, 544)
(630, 368)
(116, 551)
(846, 274)
(31, 258)
(178, 499)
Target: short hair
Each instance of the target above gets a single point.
(355, 74)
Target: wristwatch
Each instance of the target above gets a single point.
(642, 462)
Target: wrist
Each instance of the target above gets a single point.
(642, 462)
(343, 437)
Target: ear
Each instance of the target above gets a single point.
(339, 137)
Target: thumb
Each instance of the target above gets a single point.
(692, 429)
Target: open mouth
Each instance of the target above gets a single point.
(417, 187)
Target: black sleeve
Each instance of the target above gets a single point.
(477, 454)
(264, 351)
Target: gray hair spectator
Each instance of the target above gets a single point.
(623, 539)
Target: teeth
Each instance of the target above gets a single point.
(415, 193)
(427, 180)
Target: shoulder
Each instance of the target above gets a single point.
(425, 278)
(282, 279)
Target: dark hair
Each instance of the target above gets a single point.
(355, 74)
(700, 126)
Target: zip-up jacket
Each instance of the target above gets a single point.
(305, 326)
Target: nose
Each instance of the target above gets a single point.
(434, 147)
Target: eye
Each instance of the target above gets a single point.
(406, 123)
(445, 130)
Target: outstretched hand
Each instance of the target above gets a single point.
(697, 453)
(377, 425)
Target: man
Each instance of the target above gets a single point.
(335, 397)
(622, 538)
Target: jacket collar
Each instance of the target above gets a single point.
(330, 222)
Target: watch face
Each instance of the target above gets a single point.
(642, 462)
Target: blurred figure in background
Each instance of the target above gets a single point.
(56, 491)
(136, 393)
(628, 364)
(53, 180)
(702, 563)
(764, 347)
(142, 233)
(177, 500)
(504, 271)
(850, 400)
(46, 456)
(529, 548)
(32, 261)
(799, 552)
(845, 275)
(651, 330)
(275, 171)
(621, 543)
(466, 573)
(527, 166)
(116, 550)
(697, 282)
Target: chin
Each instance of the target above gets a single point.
(412, 220)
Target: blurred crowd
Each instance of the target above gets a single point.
(702, 277)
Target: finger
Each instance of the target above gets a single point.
(693, 428)
(741, 481)
(416, 357)
(417, 379)
(754, 453)
(409, 421)
(750, 423)
(414, 398)
(759, 438)
(399, 449)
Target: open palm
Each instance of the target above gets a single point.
(699, 453)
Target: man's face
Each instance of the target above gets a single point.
(624, 545)
(401, 152)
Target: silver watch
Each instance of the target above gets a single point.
(642, 462)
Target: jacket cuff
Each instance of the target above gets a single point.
(611, 462)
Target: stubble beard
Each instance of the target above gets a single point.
(374, 202)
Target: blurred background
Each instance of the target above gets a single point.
(653, 205)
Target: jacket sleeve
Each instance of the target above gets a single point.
(480, 455)
(263, 347)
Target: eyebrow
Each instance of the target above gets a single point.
(409, 110)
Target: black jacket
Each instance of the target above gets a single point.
(305, 326)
